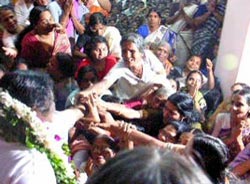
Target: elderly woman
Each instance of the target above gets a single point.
(138, 69)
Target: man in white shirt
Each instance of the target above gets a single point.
(138, 69)
(21, 165)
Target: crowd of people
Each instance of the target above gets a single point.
(125, 89)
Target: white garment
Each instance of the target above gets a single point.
(22, 12)
(222, 121)
(113, 37)
(128, 85)
(20, 165)
(4, 2)
(96, 3)
(180, 24)
(62, 122)
(55, 10)
(184, 37)
(9, 39)
(156, 36)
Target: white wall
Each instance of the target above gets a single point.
(233, 63)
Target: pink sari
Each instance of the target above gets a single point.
(35, 53)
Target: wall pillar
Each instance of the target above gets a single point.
(233, 62)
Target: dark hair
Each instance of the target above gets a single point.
(136, 39)
(243, 85)
(194, 56)
(97, 18)
(212, 156)
(195, 71)
(35, 13)
(21, 60)
(185, 105)
(66, 64)
(34, 17)
(178, 86)
(180, 127)
(3, 68)
(32, 88)
(154, 10)
(147, 165)
(7, 7)
(82, 71)
(92, 43)
(109, 140)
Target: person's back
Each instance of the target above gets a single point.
(21, 165)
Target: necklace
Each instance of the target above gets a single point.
(36, 136)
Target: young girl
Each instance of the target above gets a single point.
(97, 51)
(234, 127)
(194, 83)
(102, 149)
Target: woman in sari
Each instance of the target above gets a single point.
(43, 39)
(206, 21)
(154, 32)
(179, 25)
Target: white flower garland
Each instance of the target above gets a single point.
(38, 137)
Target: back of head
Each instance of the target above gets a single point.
(31, 88)
(183, 102)
(149, 165)
(212, 155)
(66, 64)
(185, 105)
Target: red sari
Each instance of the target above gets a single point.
(35, 53)
(110, 61)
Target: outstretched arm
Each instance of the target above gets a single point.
(121, 110)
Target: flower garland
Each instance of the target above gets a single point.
(37, 136)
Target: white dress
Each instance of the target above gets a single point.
(23, 12)
(20, 165)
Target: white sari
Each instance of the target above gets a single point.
(184, 37)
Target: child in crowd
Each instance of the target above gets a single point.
(194, 82)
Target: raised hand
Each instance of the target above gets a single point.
(209, 65)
